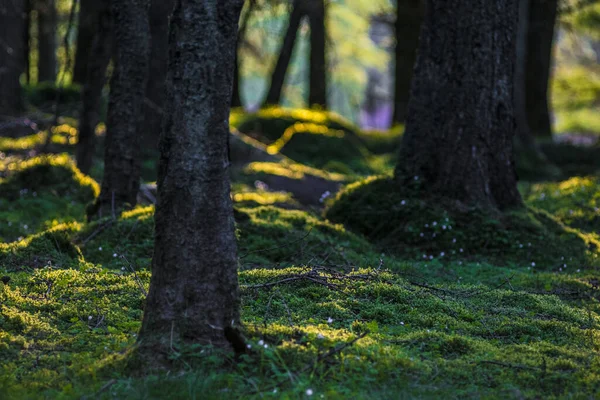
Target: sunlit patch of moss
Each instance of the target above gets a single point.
(54, 173)
(291, 170)
(402, 222)
(52, 247)
(264, 198)
(576, 201)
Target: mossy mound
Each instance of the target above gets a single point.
(52, 248)
(572, 159)
(63, 138)
(56, 174)
(270, 124)
(401, 222)
(575, 202)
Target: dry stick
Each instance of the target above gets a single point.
(59, 86)
(277, 247)
(136, 277)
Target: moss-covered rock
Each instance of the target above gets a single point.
(401, 222)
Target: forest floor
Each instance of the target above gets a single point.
(336, 302)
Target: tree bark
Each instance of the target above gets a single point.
(460, 124)
(542, 19)
(409, 16)
(12, 60)
(194, 295)
(46, 18)
(89, 11)
(285, 54)
(317, 87)
(121, 181)
(160, 11)
(99, 54)
(26, 41)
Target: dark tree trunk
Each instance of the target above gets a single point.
(236, 98)
(285, 54)
(121, 181)
(46, 12)
(542, 19)
(317, 87)
(409, 16)
(194, 294)
(150, 128)
(99, 55)
(89, 11)
(460, 123)
(12, 60)
(26, 41)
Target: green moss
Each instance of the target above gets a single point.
(403, 223)
(52, 247)
(48, 173)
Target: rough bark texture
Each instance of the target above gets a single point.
(542, 19)
(160, 12)
(285, 54)
(99, 55)
(12, 60)
(460, 123)
(89, 11)
(317, 86)
(409, 16)
(46, 12)
(194, 294)
(121, 180)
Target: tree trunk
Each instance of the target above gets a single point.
(409, 16)
(542, 19)
(26, 41)
(285, 54)
(317, 87)
(46, 12)
(121, 181)
(12, 62)
(89, 11)
(194, 296)
(99, 55)
(236, 98)
(460, 124)
(151, 124)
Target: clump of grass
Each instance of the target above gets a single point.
(403, 223)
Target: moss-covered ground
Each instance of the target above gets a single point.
(431, 301)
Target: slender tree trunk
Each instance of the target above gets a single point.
(46, 12)
(236, 98)
(121, 181)
(99, 55)
(285, 54)
(542, 19)
(26, 41)
(460, 124)
(409, 16)
(194, 295)
(89, 11)
(160, 11)
(12, 62)
(317, 94)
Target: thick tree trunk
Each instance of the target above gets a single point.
(409, 16)
(89, 11)
(542, 19)
(46, 12)
(12, 60)
(99, 55)
(317, 86)
(460, 124)
(193, 293)
(151, 124)
(285, 54)
(121, 181)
